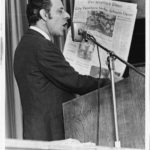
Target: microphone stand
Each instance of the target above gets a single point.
(111, 66)
(111, 58)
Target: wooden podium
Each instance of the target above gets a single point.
(80, 114)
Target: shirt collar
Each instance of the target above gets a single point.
(40, 31)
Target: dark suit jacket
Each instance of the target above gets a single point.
(46, 80)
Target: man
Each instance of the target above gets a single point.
(44, 78)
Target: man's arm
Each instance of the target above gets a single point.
(54, 66)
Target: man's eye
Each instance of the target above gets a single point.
(61, 11)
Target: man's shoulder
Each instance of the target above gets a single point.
(33, 38)
(34, 35)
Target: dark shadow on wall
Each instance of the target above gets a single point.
(137, 48)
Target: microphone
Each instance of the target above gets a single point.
(82, 32)
(77, 31)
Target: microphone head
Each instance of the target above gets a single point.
(80, 31)
(77, 30)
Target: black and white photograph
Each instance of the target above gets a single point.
(74, 75)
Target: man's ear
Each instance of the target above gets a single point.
(43, 14)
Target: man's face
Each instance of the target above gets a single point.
(58, 22)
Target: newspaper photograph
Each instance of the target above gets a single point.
(111, 23)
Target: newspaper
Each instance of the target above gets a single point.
(112, 24)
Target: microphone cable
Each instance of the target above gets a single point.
(98, 96)
(98, 90)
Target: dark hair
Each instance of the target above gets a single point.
(33, 9)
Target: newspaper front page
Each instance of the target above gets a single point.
(112, 24)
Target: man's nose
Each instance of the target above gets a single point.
(67, 16)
